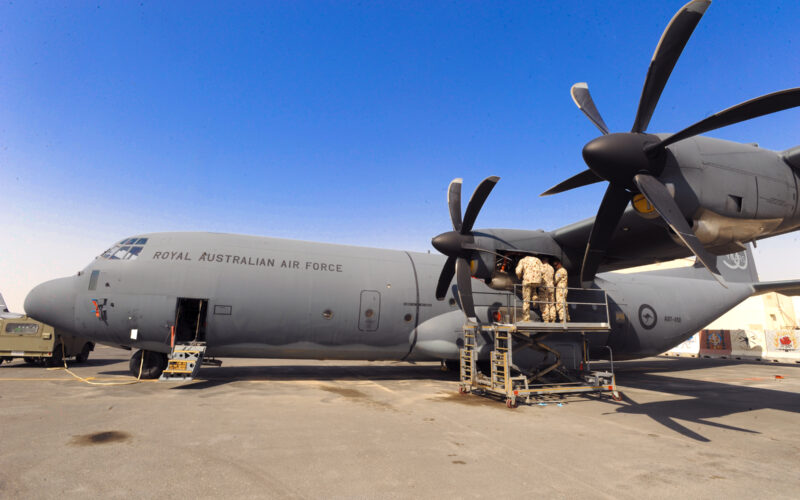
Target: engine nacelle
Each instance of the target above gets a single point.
(722, 235)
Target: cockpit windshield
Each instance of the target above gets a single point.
(127, 249)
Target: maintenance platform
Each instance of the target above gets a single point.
(565, 366)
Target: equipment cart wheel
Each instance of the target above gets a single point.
(511, 403)
(462, 390)
(57, 359)
(616, 395)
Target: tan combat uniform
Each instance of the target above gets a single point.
(546, 294)
(561, 295)
(529, 270)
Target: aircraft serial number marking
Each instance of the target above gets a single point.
(226, 258)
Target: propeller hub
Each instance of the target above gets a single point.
(449, 243)
(618, 157)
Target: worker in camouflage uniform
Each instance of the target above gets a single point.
(561, 291)
(546, 293)
(529, 270)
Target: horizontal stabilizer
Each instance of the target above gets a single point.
(788, 287)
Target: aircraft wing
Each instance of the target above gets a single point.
(788, 287)
(636, 241)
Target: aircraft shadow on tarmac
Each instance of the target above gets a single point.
(705, 399)
(70, 364)
(216, 376)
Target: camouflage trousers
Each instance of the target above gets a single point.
(546, 305)
(561, 305)
(528, 296)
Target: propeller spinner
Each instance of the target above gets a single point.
(632, 162)
(459, 244)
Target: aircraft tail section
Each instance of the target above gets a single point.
(738, 267)
(3, 307)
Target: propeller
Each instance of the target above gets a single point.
(459, 244)
(632, 162)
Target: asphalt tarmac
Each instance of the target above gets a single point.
(687, 428)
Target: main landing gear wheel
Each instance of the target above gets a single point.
(154, 363)
(84, 354)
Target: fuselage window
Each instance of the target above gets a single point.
(327, 314)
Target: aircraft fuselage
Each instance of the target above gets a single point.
(266, 297)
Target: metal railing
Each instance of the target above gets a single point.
(582, 305)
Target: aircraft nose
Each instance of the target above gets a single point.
(53, 302)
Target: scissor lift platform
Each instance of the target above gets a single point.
(507, 382)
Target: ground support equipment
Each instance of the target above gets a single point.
(184, 362)
(508, 382)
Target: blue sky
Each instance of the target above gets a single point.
(341, 121)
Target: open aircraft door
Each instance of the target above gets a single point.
(370, 311)
(190, 320)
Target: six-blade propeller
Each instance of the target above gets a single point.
(459, 245)
(632, 162)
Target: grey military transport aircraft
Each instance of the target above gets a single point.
(263, 297)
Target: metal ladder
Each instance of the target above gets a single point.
(467, 360)
(500, 358)
(184, 362)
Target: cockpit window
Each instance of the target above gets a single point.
(134, 252)
(127, 249)
(121, 253)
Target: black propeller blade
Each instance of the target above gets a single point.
(658, 196)
(760, 106)
(454, 203)
(667, 52)
(464, 280)
(608, 215)
(445, 277)
(583, 99)
(459, 244)
(476, 202)
(582, 179)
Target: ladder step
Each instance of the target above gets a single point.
(184, 362)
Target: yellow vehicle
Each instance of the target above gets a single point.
(38, 343)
